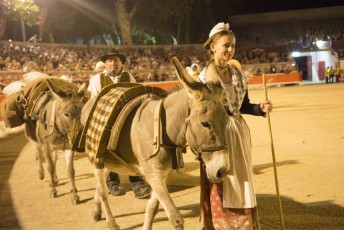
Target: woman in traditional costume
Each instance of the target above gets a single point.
(232, 202)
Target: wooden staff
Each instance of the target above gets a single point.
(274, 158)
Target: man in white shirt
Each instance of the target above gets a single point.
(114, 73)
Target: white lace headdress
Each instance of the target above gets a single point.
(221, 26)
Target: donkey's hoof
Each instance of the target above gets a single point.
(76, 201)
(97, 217)
(53, 194)
(114, 226)
(41, 176)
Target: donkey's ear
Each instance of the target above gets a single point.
(83, 89)
(190, 84)
(56, 91)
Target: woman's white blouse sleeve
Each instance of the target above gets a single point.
(94, 86)
(201, 76)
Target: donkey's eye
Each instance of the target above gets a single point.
(205, 124)
(67, 115)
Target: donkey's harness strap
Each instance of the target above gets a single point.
(51, 124)
(157, 136)
(177, 160)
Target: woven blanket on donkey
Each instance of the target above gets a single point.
(19, 106)
(108, 108)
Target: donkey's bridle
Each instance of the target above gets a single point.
(198, 149)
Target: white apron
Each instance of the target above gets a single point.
(238, 191)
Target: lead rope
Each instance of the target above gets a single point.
(20, 98)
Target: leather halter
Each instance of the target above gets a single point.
(158, 140)
(198, 149)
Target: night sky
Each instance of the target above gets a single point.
(89, 18)
(261, 6)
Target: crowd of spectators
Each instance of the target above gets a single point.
(313, 34)
(258, 56)
(144, 62)
(83, 58)
(147, 63)
(308, 38)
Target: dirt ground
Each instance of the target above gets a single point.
(308, 133)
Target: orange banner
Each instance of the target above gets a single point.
(276, 78)
(165, 85)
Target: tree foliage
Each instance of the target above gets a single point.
(70, 22)
(59, 26)
(169, 19)
(17, 10)
(126, 21)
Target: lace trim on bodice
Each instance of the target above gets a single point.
(235, 91)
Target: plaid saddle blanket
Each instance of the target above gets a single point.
(107, 114)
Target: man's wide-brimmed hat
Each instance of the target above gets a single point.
(113, 53)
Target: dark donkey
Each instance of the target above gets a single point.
(56, 127)
(193, 115)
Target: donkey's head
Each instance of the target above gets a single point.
(207, 122)
(68, 109)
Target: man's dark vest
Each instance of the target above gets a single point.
(106, 80)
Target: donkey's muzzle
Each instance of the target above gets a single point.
(221, 173)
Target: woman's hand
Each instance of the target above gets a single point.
(266, 106)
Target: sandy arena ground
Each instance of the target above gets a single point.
(308, 133)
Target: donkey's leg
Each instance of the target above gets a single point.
(54, 160)
(69, 155)
(158, 184)
(97, 213)
(102, 193)
(51, 169)
(39, 155)
(151, 211)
